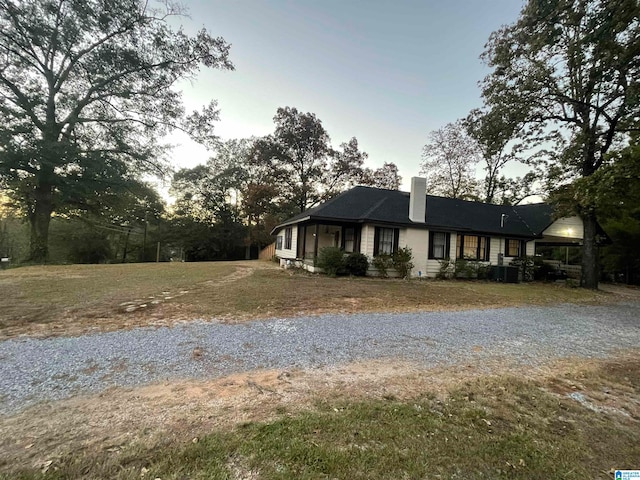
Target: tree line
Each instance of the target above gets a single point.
(251, 185)
(87, 93)
(223, 209)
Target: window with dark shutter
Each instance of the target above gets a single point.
(288, 234)
(473, 247)
(349, 240)
(439, 245)
(514, 248)
(385, 241)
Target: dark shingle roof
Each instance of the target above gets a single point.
(375, 205)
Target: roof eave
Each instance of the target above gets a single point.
(286, 224)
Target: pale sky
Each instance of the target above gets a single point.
(385, 72)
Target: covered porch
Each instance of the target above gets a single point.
(314, 236)
(562, 252)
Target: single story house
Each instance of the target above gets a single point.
(374, 221)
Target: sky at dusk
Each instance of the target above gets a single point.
(387, 73)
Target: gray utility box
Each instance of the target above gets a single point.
(504, 273)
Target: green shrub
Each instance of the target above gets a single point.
(382, 263)
(356, 264)
(447, 269)
(331, 260)
(466, 268)
(483, 271)
(402, 262)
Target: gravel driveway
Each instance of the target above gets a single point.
(33, 370)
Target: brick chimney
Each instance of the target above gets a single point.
(418, 200)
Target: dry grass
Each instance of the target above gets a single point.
(63, 300)
(381, 419)
(368, 420)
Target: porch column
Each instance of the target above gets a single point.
(315, 244)
(304, 242)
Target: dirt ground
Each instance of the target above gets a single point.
(71, 300)
(621, 291)
(159, 309)
(183, 411)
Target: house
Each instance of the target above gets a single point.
(374, 221)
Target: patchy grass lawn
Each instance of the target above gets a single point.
(54, 300)
(581, 421)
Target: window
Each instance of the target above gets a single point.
(349, 239)
(473, 247)
(385, 241)
(439, 245)
(288, 233)
(279, 242)
(514, 248)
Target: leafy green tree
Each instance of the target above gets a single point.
(346, 169)
(14, 240)
(196, 240)
(449, 160)
(511, 191)
(302, 163)
(297, 154)
(208, 194)
(86, 91)
(570, 71)
(493, 132)
(615, 191)
(114, 226)
(213, 198)
(386, 176)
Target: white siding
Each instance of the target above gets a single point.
(567, 227)
(499, 245)
(418, 240)
(531, 248)
(289, 253)
(496, 246)
(433, 266)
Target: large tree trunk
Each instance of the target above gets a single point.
(590, 275)
(40, 217)
(40, 220)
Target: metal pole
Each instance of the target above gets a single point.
(144, 239)
(158, 253)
